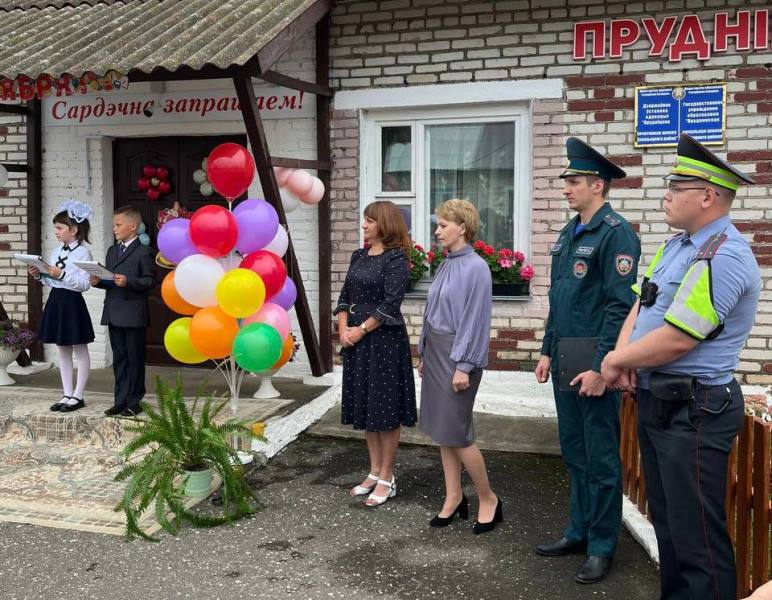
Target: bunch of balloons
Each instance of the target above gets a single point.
(155, 182)
(301, 186)
(230, 282)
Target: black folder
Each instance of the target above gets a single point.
(575, 355)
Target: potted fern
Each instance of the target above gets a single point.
(177, 451)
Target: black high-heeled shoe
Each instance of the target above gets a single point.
(462, 510)
(498, 517)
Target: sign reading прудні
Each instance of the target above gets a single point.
(663, 113)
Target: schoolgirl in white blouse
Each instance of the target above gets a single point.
(66, 321)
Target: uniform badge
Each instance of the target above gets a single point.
(624, 264)
(556, 247)
(580, 268)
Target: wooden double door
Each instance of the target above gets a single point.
(181, 156)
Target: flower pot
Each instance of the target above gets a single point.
(510, 289)
(7, 356)
(197, 483)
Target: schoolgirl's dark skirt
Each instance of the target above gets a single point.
(66, 320)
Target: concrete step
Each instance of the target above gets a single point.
(534, 435)
(25, 415)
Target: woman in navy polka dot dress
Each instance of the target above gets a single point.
(378, 385)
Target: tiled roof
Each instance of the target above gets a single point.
(75, 37)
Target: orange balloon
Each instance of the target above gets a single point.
(212, 332)
(173, 300)
(287, 348)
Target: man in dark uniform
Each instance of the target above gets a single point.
(594, 265)
(684, 336)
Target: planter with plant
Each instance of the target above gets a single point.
(177, 450)
(418, 263)
(509, 275)
(14, 337)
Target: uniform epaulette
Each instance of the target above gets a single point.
(711, 246)
(612, 220)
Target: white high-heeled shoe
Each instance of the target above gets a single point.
(360, 490)
(375, 500)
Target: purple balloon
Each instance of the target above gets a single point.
(174, 240)
(258, 222)
(286, 296)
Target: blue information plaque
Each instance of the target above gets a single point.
(662, 113)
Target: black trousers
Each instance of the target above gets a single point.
(128, 344)
(685, 467)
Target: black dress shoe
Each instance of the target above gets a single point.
(56, 407)
(498, 517)
(562, 547)
(131, 412)
(462, 510)
(113, 411)
(594, 569)
(65, 408)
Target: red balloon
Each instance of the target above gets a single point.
(143, 183)
(165, 187)
(230, 169)
(213, 230)
(162, 173)
(270, 268)
(153, 193)
(148, 171)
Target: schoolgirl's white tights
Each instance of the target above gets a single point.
(66, 354)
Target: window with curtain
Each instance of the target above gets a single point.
(423, 157)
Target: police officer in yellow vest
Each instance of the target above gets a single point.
(594, 265)
(697, 305)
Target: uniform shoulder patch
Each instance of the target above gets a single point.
(623, 264)
(612, 220)
(711, 246)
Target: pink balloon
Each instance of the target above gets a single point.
(300, 182)
(273, 315)
(282, 174)
(316, 193)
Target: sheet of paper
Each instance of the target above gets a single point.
(33, 260)
(94, 268)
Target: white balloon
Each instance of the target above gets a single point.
(203, 163)
(206, 189)
(199, 176)
(3, 176)
(316, 193)
(300, 182)
(278, 245)
(196, 279)
(288, 200)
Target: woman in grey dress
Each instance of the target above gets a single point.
(454, 350)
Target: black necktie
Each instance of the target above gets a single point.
(123, 248)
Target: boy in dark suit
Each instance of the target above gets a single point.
(126, 312)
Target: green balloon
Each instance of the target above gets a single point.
(257, 347)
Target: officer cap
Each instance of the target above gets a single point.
(583, 159)
(696, 162)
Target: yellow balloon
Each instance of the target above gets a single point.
(240, 293)
(178, 345)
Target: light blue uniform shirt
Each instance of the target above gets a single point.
(736, 285)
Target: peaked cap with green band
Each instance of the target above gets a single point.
(583, 159)
(696, 162)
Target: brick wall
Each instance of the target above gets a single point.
(403, 43)
(13, 221)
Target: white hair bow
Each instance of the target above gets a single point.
(77, 210)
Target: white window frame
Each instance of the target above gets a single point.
(370, 172)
